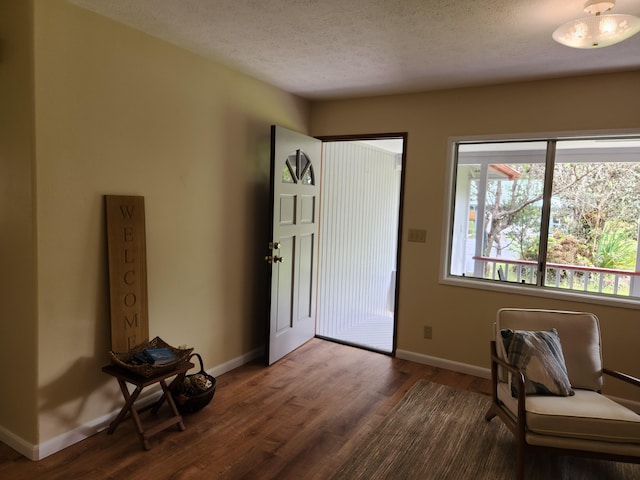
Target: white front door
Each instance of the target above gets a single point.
(293, 249)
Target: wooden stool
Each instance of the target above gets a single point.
(125, 376)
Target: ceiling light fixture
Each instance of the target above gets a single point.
(600, 30)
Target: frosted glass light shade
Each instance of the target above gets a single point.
(597, 31)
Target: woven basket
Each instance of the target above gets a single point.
(148, 370)
(188, 398)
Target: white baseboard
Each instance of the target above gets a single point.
(78, 434)
(18, 444)
(53, 445)
(483, 372)
(444, 363)
(234, 363)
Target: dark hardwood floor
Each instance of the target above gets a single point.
(298, 419)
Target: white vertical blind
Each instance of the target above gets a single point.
(360, 196)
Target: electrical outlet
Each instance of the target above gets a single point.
(428, 332)
(417, 235)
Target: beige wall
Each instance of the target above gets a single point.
(462, 318)
(18, 341)
(120, 112)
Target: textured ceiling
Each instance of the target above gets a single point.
(322, 49)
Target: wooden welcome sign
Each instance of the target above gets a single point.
(126, 246)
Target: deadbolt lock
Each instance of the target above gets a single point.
(273, 259)
(274, 245)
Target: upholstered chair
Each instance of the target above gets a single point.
(555, 415)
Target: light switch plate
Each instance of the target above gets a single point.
(417, 235)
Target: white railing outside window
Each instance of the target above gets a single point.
(572, 277)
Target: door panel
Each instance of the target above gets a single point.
(285, 287)
(307, 209)
(293, 252)
(306, 274)
(287, 209)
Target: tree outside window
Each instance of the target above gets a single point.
(549, 213)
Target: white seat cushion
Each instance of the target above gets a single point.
(587, 415)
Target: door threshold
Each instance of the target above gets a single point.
(355, 345)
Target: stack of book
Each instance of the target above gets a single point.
(153, 356)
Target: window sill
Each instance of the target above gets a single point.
(546, 292)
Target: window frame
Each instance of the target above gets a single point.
(506, 287)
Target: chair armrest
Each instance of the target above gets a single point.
(510, 368)
(518, 381)
(622, 376)
(519, 375)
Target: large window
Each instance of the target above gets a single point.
(559, 213)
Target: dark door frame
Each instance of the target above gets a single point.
(381, 136)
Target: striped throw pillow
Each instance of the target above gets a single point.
(538, 354)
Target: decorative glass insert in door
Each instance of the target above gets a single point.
(298, 161)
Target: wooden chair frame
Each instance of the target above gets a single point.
(518, 425)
